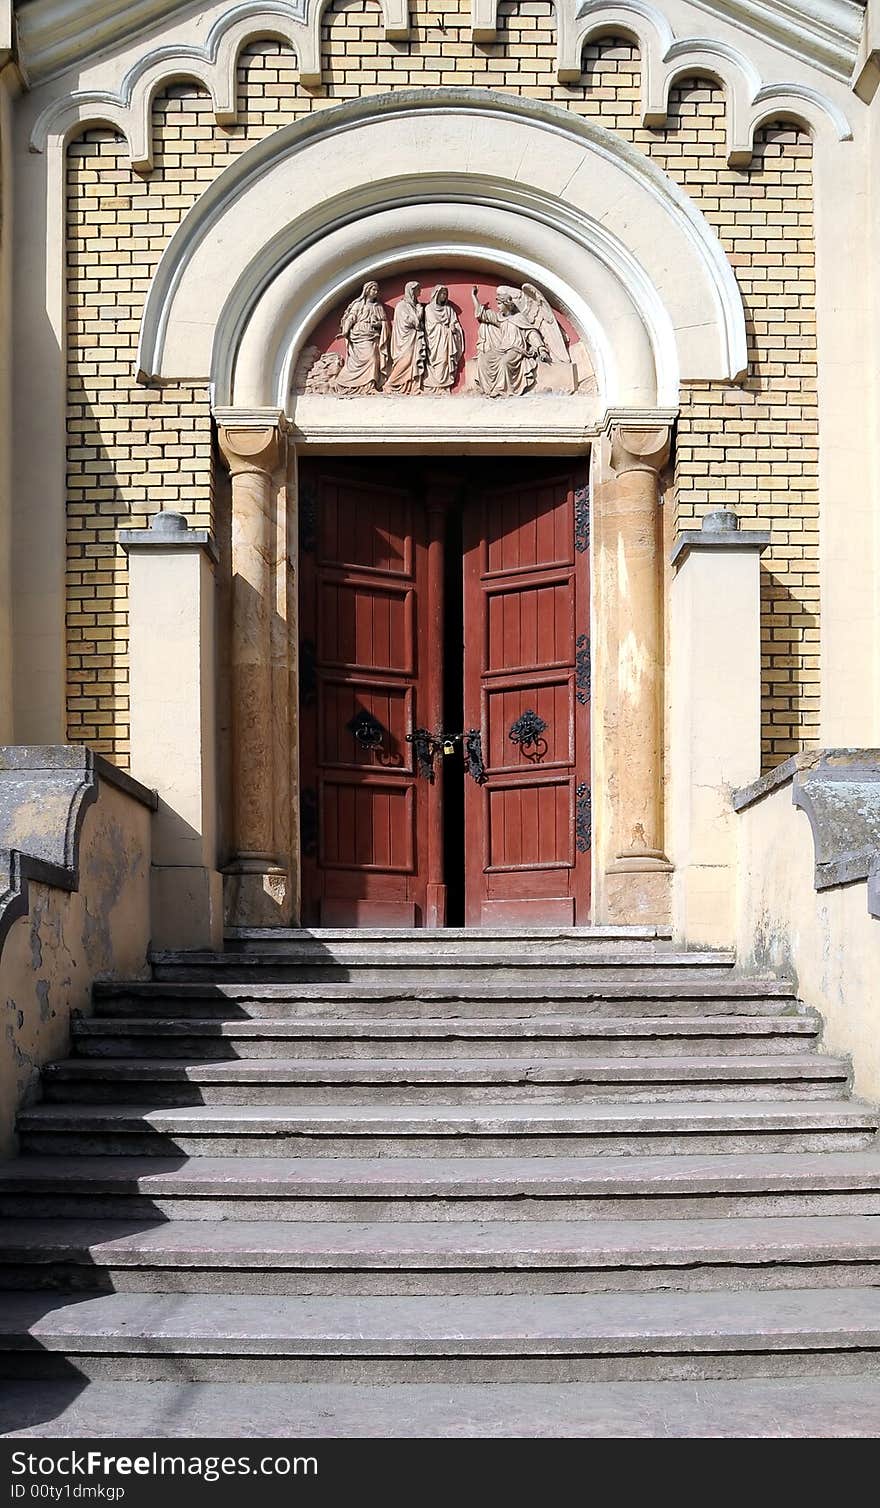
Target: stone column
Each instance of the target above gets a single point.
(632, 523)
(253, 447)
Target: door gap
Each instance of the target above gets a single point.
(453, 719)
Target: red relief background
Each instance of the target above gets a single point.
(325, 336)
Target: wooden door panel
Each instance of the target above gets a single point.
(362, 612)
(362, 525)
(529, 623)
(368, 826)
(526, 586)
(340, 703)
(505, 706)
(365, 625)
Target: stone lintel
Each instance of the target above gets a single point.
(169, 531)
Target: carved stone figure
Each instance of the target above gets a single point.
(509, 346)
(322, 374)
(536, 308)
(365, 330)
(445, 341)
(408, 346)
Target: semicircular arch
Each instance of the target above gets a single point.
(274, 239)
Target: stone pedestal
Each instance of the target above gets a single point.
(173, 726)
(256, 880)
(715, 743)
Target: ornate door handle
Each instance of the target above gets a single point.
(527, 732)
(366, 730)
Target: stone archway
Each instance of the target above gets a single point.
(473, 181)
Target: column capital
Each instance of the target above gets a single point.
(639, 449)
(252, 440)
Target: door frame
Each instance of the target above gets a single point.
(440, 482)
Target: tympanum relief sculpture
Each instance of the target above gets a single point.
(437, 347)
(365, 331)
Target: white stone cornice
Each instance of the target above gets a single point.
(55, 34)
(825, 33)
(751, 95)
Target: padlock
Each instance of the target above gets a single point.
(448, 747)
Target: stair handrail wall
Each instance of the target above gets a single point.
(809, 892)
(74, 899)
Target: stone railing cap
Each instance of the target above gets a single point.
(169, 531)
(720, 531)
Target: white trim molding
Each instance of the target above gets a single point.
(454, 176)
(664, 59)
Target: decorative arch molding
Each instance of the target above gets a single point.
(291, 225)
(664, 59)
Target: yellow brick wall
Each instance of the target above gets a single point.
(132, 451)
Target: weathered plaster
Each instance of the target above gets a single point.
(67, 923)
(827, 940)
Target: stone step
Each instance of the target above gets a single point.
(448, 1339)
(424, 1081)
(344, 1000)
(373, 1131)
(458, 939)
(517, 1037)
(455, 945)
(309, 963)
(452, 1257)
(807, 1407)
(442, 1188)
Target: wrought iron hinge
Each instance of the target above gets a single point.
(582, 668)
(583, 817)
(582, 519)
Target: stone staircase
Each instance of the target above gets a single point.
(396, 1183)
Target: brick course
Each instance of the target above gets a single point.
(133, 450)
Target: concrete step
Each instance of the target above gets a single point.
(807, 1407)
(424, 1081)
(515, 1038)
(369, 964)
(442, 1188)
(338, 940)
(346, 1001)
(373, 1131)
(448, 1339)
(452, 1257)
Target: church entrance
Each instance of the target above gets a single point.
(444, 675)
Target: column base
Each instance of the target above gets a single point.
(638, 893)
(646, 861)
(256, 893)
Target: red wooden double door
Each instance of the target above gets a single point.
(444, 693)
